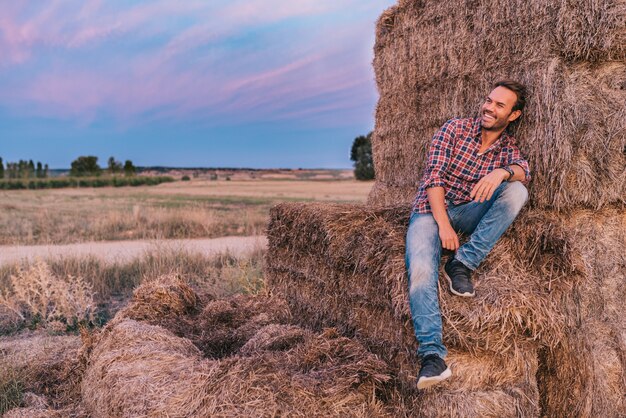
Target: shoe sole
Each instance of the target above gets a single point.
(426, 382)
(465, 295)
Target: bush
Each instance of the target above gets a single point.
(185, 178)
(57, 183)
(37, 297)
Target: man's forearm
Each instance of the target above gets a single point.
(436, 198)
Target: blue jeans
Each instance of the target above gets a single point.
(484, 223)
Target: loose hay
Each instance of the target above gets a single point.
(44, 364)
(324, 375)
(159, 299)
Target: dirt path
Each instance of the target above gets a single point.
(121, 251)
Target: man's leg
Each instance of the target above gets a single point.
(486, 221)
(423, 252)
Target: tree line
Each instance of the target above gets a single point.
(87, 166)
(83, 166)
(23, 170)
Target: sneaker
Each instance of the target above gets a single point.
(459, 278)
(433, 371)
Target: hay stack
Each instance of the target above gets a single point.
(437, 60)
(549, 292)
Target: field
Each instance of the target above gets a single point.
(53, 298)
(195, 209)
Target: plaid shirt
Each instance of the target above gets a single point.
(455, 164)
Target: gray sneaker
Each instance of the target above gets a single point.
(459, 278)
(433, 371)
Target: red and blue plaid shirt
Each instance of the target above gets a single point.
(455, 164)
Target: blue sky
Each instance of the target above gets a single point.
(254, 83)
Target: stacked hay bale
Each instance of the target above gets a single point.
(345, 267)
(437, 60)
(550, 294)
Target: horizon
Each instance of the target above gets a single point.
(254, 84)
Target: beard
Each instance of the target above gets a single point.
(497, 125)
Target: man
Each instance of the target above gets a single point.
(472, 184)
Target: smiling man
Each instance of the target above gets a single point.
(474, 184)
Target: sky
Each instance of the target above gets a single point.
(213, 83)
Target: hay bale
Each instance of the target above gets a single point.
(353, 269)
(434, 61)
(138, 369)
(273, 338)
(586, 374)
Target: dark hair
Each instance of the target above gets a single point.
(518, 88)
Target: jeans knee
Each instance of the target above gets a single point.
(420, 277)
(516, 193)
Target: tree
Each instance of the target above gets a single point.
(30, 172)
(114, 166)
(1, 169)
(45, 171)
(85, 166)
(361, 155)
(39, 170)
(129, 168)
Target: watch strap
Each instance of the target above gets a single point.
(510, 171)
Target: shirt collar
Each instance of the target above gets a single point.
(477, 130)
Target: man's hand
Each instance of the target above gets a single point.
(483, 190)
(448, 236)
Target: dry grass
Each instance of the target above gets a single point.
(113, 283)
(198, 209)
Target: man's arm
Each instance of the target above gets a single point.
(483, 190)
(439, 156)
(436, 198)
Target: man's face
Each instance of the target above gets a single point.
(496, 113)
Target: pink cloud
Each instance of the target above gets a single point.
(267, 84)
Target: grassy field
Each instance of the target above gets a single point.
(195, 209)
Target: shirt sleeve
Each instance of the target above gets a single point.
(515, 157)
(439, 155)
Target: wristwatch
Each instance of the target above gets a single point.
(510, 171)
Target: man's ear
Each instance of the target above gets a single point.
(515, 115)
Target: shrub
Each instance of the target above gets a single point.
(38, 298)
(57, 183)
(185, 178)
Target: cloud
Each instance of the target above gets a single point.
(219, 60)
